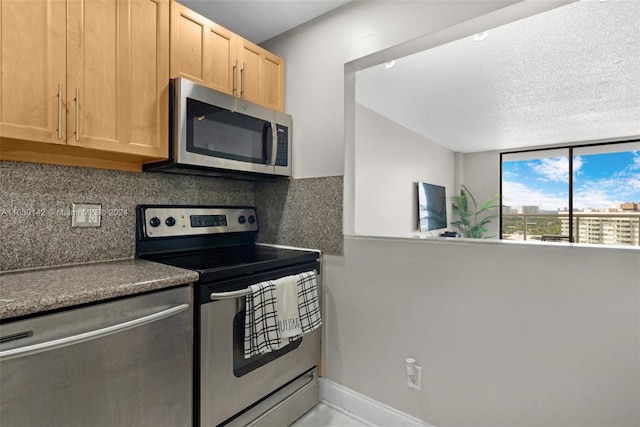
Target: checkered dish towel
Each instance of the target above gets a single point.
(261, 333)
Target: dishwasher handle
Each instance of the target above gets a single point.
(91, 335)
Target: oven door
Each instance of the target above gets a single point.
(231, 385)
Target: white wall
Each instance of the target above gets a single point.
(390, 160)
(481, 175)
(507, 334)
(316, 53)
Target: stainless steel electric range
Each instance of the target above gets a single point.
(220, 244)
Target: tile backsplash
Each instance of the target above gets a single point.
(303, 212)
(36, 199)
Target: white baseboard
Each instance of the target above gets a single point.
(363, 408)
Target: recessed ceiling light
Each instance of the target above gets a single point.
(481, 36)
(389, 64)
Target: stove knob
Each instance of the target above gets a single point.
(154, 222)
(242, 219)
(171, 221)
(252, 219)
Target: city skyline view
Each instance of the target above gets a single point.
(601, 181)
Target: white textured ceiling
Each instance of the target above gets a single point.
(259, 20)
(571, 74)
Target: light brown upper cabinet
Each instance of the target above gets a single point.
(89, 74)
(207, 53)
(33, 78)
(261, 76)
(201, 50)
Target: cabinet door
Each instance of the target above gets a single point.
(32, 61)
(221, 59)
(202, 51)
(273, 93)
(95, 73)
(262, 76)
(188, 39)
(147, 91)
(117, 75)
(251, 74)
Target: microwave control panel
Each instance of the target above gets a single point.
(282, 155)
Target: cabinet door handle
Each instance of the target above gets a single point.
(59, 110)
(235, 79)
(77, 114)
(243, 80)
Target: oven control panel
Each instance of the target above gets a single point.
(186, 221)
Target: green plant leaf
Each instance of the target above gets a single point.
(470, 223)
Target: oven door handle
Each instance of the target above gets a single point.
(230, 295)
(234, 294)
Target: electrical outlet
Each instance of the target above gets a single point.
(414, 381)
(85, 215)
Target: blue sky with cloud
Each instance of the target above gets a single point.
(600, 181)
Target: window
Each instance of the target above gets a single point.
(582, 194)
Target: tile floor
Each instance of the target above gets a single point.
(324, 416)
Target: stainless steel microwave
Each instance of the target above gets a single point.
(212, 133)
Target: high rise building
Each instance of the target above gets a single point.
(611, 228)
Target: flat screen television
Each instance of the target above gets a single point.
(432, 207)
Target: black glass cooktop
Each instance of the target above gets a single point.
(227, 262)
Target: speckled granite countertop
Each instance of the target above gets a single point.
(31, 291)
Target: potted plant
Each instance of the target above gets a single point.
(472, 222)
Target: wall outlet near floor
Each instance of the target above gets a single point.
(85, 215)
(415, 381)
(414, 374)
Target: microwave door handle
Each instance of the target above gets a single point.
(274, 144)
(267, 150)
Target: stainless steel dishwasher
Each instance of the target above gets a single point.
(121, 363)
